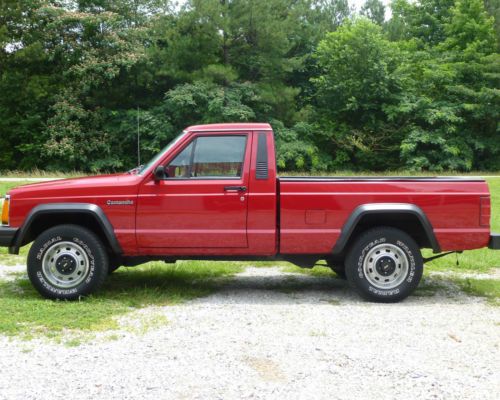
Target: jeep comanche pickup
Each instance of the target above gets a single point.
(213, 193)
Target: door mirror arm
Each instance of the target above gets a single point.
(160, 173)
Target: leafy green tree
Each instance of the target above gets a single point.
(26, 82)
(122, 127)
(358, 85)
(456, 101)
(417, 91)
(374, 10)
(493, 8)
(135, 13)
(94, 50)
(469, 30)
(204, 102)
(295, 148)
(266, 42)
(422, 21)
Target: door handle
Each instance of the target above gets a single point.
(235, 188)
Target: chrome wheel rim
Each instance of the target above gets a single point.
(386, 266)
(65, 265)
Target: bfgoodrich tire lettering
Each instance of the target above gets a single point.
(384, 265)
(67, 262)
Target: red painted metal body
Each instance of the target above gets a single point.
(196, 217)
(453, 208)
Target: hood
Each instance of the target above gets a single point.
(76, 186)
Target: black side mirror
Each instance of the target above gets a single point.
(160, 173)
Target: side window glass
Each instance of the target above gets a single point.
(179, 167)
(210, 157)
(218, 156)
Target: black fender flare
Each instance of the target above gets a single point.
(384, 208)
(92, 210)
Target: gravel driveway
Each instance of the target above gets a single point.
(270, 334)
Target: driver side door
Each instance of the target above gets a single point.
(202, 203)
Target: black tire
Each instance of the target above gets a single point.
(384, 265)
(67, 262)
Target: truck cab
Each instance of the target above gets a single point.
(213, 192)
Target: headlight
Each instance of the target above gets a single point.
(5, 210)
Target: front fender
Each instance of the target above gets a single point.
(91, 210)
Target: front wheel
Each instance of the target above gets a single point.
(384, 265)
(67, 262)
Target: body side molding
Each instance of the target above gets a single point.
(384, 208)
(67, 208)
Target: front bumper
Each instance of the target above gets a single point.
(7, 235)
(494, 241)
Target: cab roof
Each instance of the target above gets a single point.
(247, 126)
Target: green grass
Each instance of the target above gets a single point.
(38, 173)
(5, 257)
(6, 186)
(318, 270)
(26, 314)
(488, 288)
(429, 287)
(14, 259)
(471, 261)
(450, 283)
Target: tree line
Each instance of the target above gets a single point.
(343, 90)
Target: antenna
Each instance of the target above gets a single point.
(138, 140)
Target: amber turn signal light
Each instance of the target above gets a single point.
(5, 210)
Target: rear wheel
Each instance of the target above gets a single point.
(67, 262)
(384, 265)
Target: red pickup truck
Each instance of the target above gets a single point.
(213, 193)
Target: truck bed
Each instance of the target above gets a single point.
(314, 210)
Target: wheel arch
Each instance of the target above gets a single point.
(45, 216)
(406, 217)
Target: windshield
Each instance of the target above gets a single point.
(151, 162)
